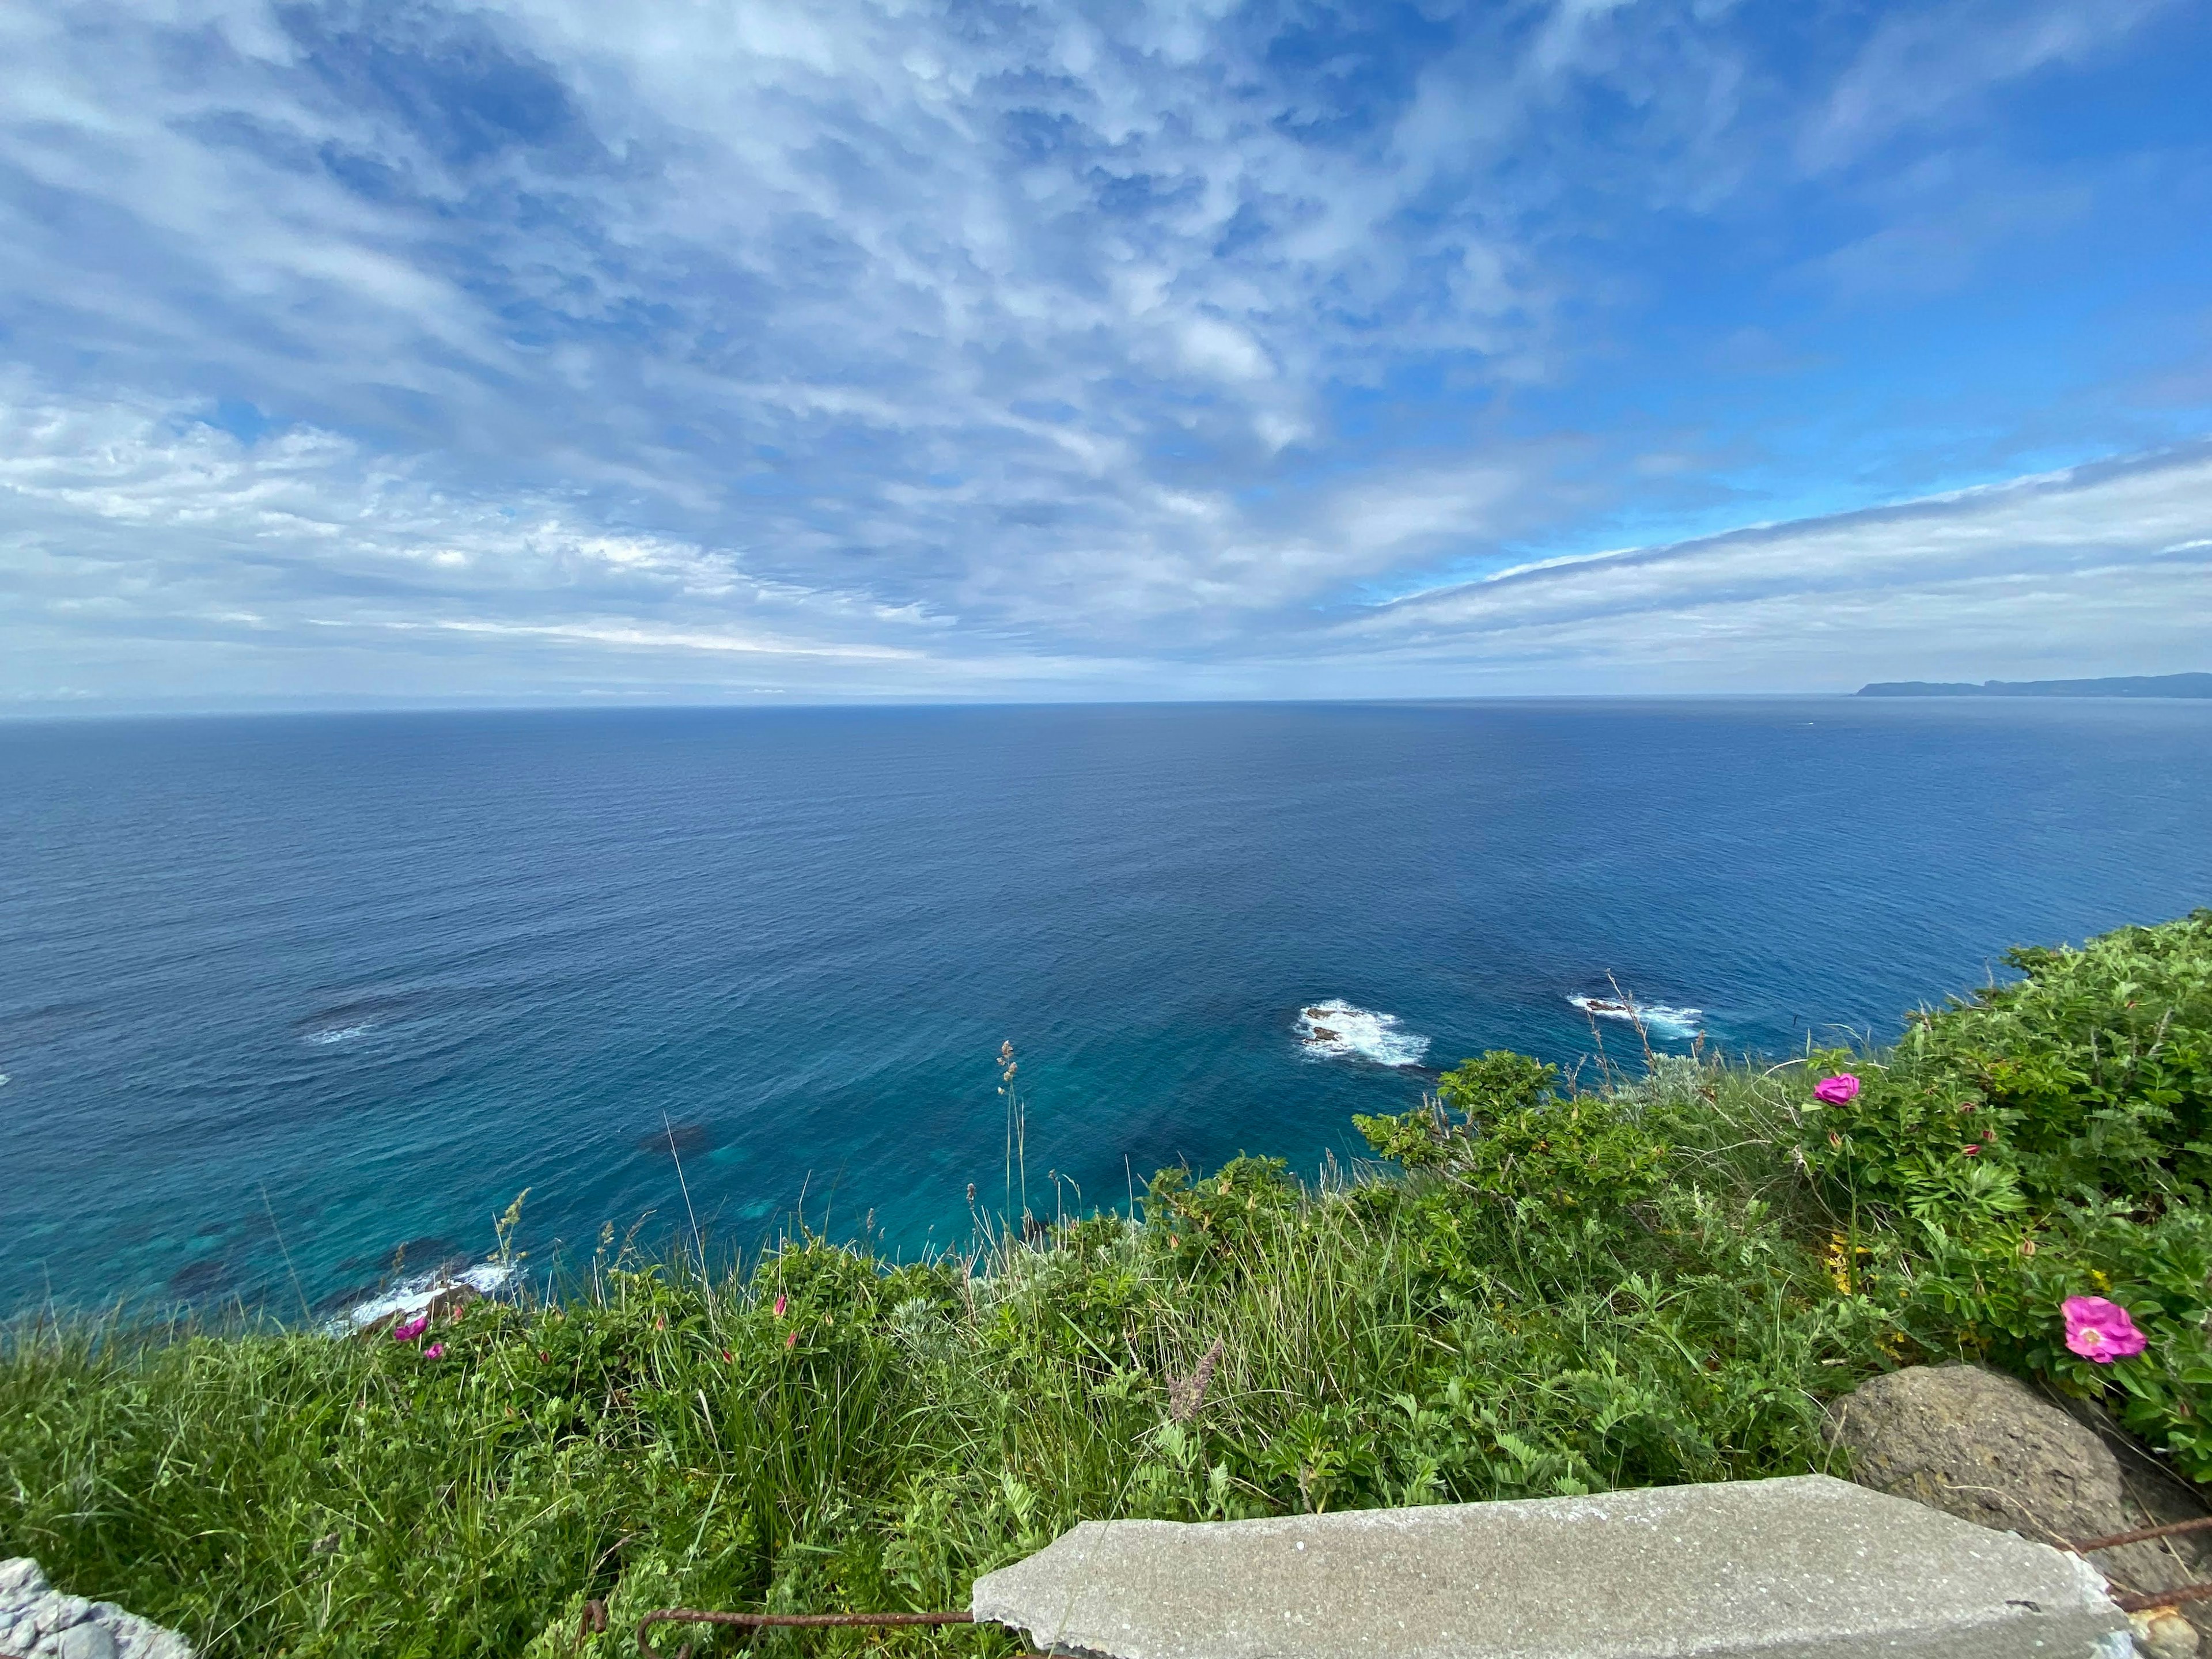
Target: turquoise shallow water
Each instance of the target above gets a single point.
(344, 983)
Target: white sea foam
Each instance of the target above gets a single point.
(341, 1033)
(1654, 1016)
(410, 1296)
(1335, 1029)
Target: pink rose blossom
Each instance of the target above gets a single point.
(413, 1328)
(2100, 1331)
(436, 1351)
(1836, 1089)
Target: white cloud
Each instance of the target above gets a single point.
(2041, 573)
(630, 635)
(142, 518)
(1086, 347)
(1935, 63)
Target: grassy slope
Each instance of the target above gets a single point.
(1661, 1282)
(667, 1440)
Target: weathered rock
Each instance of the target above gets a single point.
(1989, 1449)
(40, 1622)
(1982, 1447)
(57, 1612)
(2163, 1633)
(85, 1642)
(1804, 1568)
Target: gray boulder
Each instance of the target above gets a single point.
(1983, 1448)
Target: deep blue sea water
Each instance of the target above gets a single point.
(319, 986)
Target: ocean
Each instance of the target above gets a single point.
(284, 997)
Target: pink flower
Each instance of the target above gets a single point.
(781, 1302)
(413, 1328)
(2100, 1331)
(789, 1340)
(1836, 1089)
(436, 1351)
(1969, 1151)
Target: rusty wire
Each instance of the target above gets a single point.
(2146, 1601)
(595, 1619)
(2144, 1535)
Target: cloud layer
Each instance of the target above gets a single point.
(542, 350)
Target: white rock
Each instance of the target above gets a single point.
(58, 1612)
(38, 1622)
(89, 1641)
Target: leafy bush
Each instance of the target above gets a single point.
(1516, 1140)
(1214, 1220)
(2049, 1139)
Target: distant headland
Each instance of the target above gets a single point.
(2132, 685)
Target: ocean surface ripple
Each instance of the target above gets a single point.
(292, 1007)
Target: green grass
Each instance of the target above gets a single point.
(1384, 1342)
(1651, 1282)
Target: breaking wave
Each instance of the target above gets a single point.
(411, 1295)
(1335, 1029)
(1653, 1016)
(340, 1034)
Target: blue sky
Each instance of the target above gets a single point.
(556, 351)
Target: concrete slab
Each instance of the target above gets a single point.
(1803, 1568)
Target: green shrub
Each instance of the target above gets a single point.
(1514, 1139)
(2048, 1138)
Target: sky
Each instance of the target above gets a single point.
(708, 350)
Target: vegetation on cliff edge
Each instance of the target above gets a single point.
(1659, 1279)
